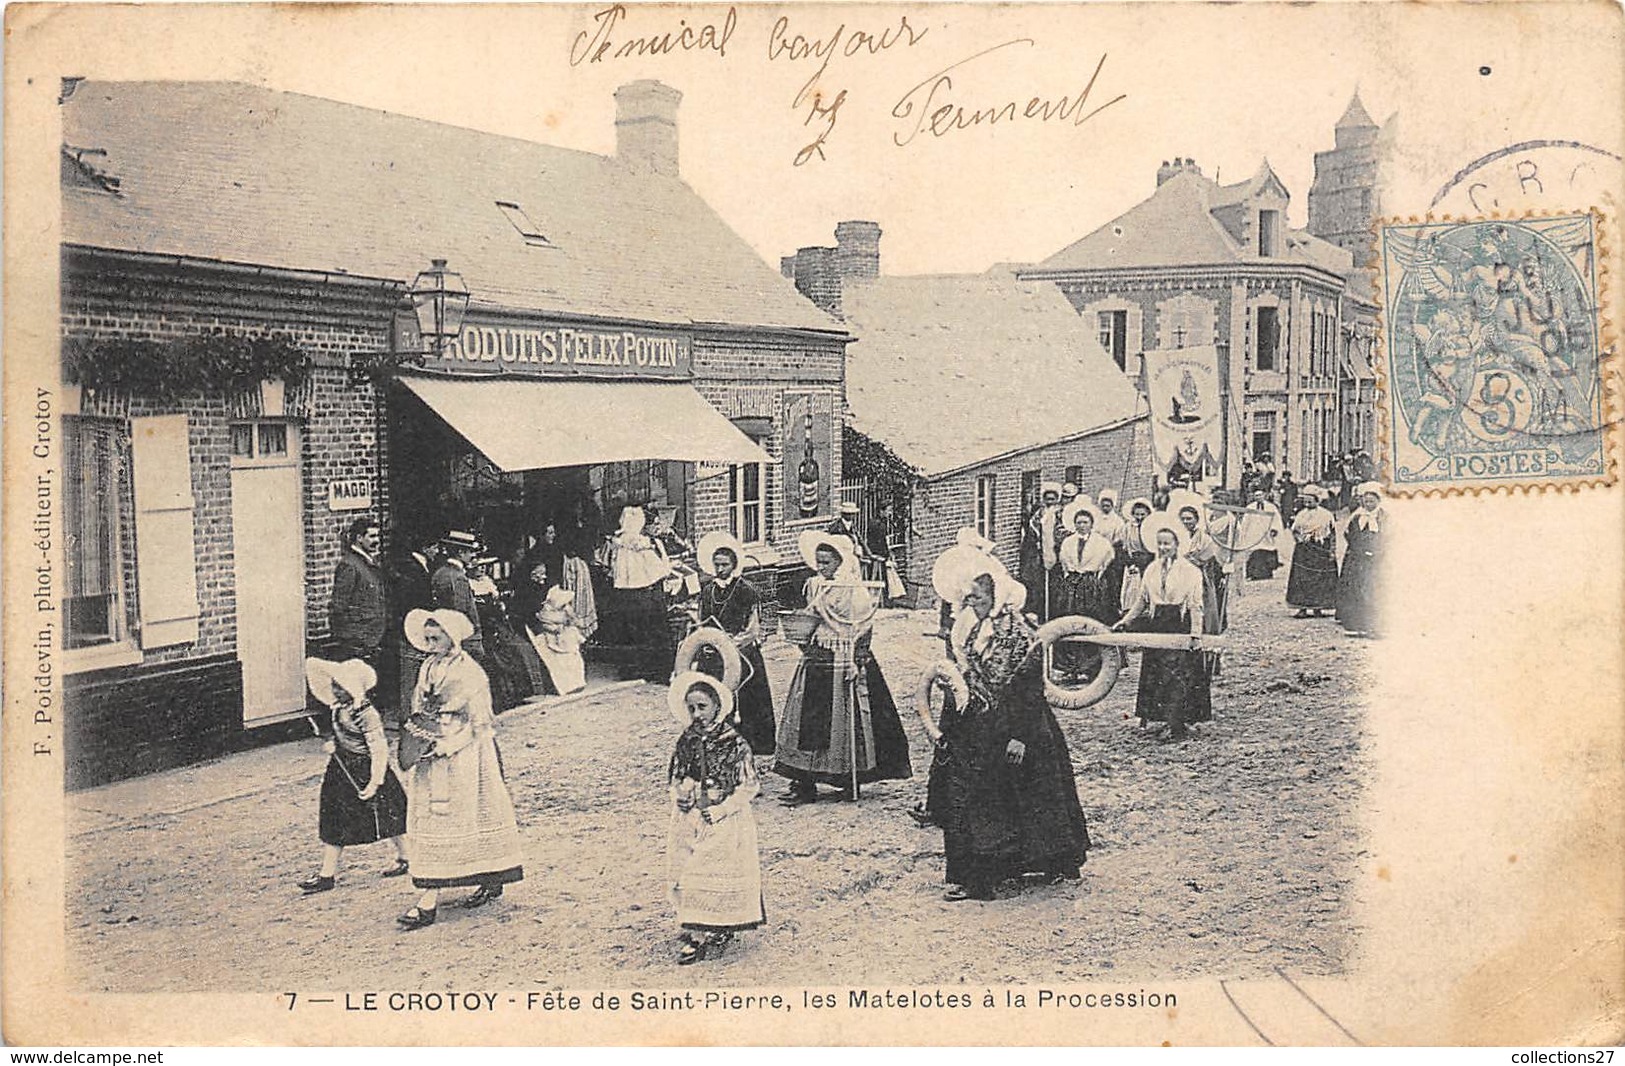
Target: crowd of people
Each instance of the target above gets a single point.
(420, 664)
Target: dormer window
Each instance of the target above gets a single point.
(522, 222)
(1269, 225)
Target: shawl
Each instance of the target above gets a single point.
(714, 755)
(1371, 521)
(1091, 556)
(995, 650)
(1314, 523)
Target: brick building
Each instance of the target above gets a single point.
(966, 392)
(1199, 263)
(245, 378)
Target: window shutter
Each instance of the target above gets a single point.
(166, 568)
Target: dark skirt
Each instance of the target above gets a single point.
(345, 818)
(1312, 582)
(1173, 684)
(639, 622)
(1357, 587)
(809, 749)
(1088, 596)
(936, 781)
(1262, 564)
(754, 718)
(1000, 820)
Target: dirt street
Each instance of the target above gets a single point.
(1228, 855)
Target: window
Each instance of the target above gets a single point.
(93, 528)
(1312, 365)
(254, 443)
(985, 506)
(1029, 490)
(1074, 475)
(1268, 225)
(747, 502)
(1263, 435)
(1269, 338)
(1113, 326)
(522, 222)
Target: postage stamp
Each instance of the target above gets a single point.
(1495, 355)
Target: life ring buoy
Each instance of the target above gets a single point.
(1072, 699)
(733, 669)
(942, 673)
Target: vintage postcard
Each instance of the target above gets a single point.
(814, 524)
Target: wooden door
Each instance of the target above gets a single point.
(270, 551)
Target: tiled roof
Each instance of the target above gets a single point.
(244, 174)
(1177, 226)
(950, 370)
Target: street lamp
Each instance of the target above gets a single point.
(440, 299)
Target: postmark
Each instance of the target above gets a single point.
(1495, 363)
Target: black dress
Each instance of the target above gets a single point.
(1001, 820)
(1312, 581)
(1357, 587)
(732, 609)
(346, 818)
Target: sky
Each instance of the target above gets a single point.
(1227, 85)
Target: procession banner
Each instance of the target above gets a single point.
(1187, 409)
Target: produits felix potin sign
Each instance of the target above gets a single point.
(546, 349)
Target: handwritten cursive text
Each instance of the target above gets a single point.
(931, 107)
(594, 46)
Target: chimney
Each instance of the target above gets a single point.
(646, 127)
(857, 249)
(817, 278)
(787, 266)
(1178, 166)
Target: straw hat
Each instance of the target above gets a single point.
(1069, 513)
(1136, 502)
(354, 677)
(461, 540)
(1159, 521)
(677, 695)
(455, 623)
(969, 538)
(849, 508)
(1069, 491)
(1049, 487)
(1179, 499)
(632, 520)
(715, 541)
(811, 540)
(1008, 593)
(956, 568)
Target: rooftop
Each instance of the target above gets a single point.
(952, 369)
(234, 172)
(1180, 225)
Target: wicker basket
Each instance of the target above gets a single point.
(798, 627)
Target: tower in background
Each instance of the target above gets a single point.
(1343, 200)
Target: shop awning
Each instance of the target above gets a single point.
(536, 424)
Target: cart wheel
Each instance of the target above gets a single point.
(947, 675)
(1072, 699)
(688, 652)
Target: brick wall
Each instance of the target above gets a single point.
(179, 701)
(338, 419)
(1118, 458)
(749, 378)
